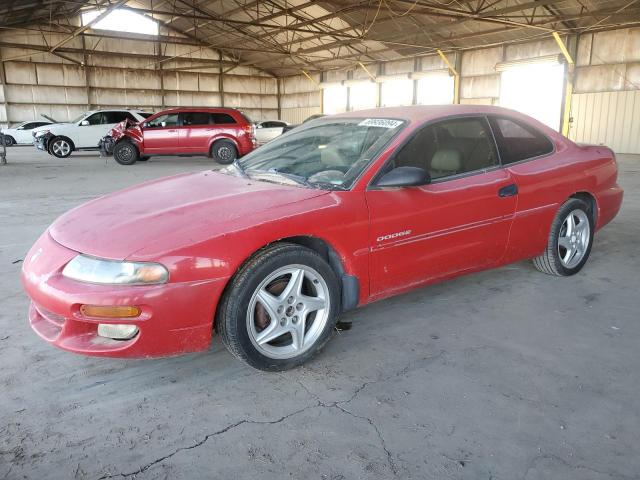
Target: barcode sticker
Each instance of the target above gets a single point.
(380, 122)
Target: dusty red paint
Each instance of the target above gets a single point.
(203, 226)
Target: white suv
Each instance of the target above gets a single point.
(82, 133)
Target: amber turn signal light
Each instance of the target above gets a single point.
(111, 311)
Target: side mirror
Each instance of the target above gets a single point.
(259, 126)
(84, 123)
(405, 177)
(143, 125)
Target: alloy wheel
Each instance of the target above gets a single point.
(61, 148)
(288, 311)
(573, 239)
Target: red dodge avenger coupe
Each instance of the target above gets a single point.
(339, 212)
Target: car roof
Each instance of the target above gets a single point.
(423, 113)
(200, 109)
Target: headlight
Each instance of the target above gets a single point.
(40, 133)
(112, 272)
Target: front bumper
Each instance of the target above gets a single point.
(42, 142)
(176, 318)
(106, 145)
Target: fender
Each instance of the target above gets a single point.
(223, 136)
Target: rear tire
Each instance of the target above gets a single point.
(126, 153)
(9, 141)
(280, 308)
(60, 147)
(570, 240)
(224, 152)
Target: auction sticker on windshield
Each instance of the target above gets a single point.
(380, 122)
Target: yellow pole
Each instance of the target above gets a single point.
(568, 85)
(456, 76)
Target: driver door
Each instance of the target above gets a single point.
(161, 134)
(91, 130)
(460, 221)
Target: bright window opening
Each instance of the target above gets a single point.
(334, 99)
(396, 92)
(435, 89)
(122, 20)
(363, 95)
(534, 89)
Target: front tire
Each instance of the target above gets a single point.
(224, 152)
(125, 153)
(570, 240)
(280, 308)
(60, 147)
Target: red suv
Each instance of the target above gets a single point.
(222, 133)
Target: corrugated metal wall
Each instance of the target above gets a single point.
(607, 118)
(123, 73)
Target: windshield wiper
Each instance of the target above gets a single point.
(296, 178)
(239, 168)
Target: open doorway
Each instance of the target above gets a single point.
(534, 89)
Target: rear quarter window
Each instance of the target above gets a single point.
(518, 141)
(222, 119)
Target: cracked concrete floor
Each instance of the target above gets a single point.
(506, 374)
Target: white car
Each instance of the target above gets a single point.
(21, 134)
(82, 133)
(268, 130)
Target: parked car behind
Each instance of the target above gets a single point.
(308, 119)
(222, 133)
(268, 130)
(82, 133)
(21, 134)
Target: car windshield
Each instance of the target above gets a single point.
(326, 153)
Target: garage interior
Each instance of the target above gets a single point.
(503, 374)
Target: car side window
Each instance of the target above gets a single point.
(518, 141)
(222, 118)
(450, 147)
(114, 117)
(95, 119)
(195, 118)
(167, 120)
(28, 126)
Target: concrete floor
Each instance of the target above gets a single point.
(506, 374)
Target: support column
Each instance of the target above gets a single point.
(278, 98)
(3, 147)
(220, 80)
(568, 78)
(456, 75)
(85, 69)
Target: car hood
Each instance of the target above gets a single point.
(48, 127)
(166, 214)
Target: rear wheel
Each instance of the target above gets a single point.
(280, 308)
(60, 147)
(224, 152)
(570, 240)
(125, 153)
(8, 141)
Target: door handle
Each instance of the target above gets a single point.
(172, 131)
(508, 191)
